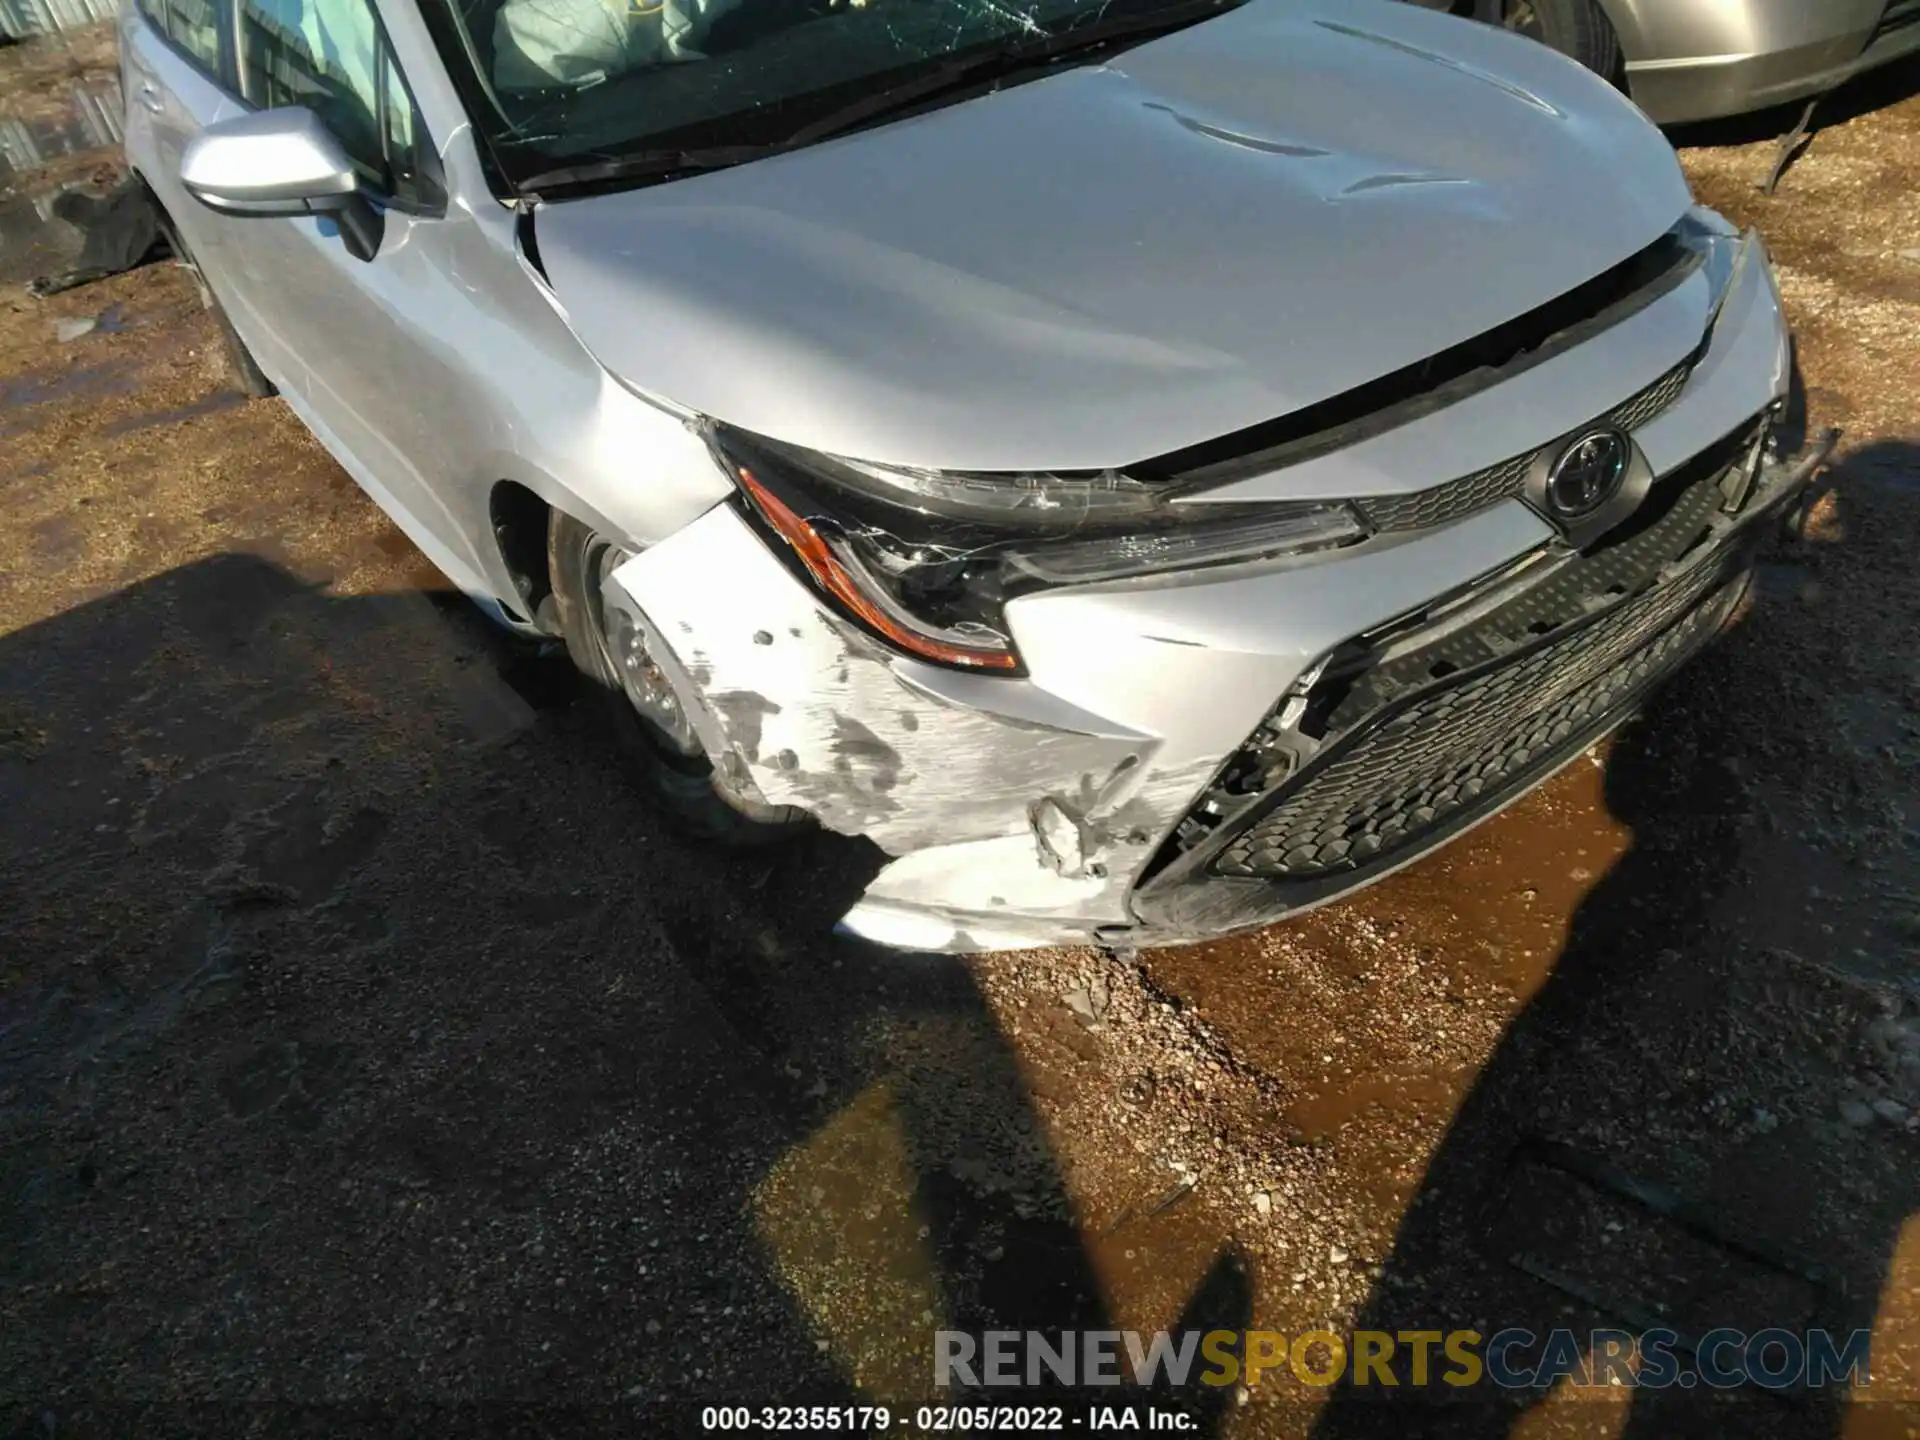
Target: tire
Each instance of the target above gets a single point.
(1573, 27)
(242, 369)
(680, 780)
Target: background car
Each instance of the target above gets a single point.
(1699, 59)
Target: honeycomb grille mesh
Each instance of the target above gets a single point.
(1416, 766)
(1653, 401)
(1438, 504)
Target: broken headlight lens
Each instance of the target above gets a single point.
(1245, 533)
(928, 559)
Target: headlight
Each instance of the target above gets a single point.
(928, 559)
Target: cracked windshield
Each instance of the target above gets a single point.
(562, 81)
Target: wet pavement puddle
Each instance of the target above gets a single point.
(87, 382)
(89, 119)
(60, 126)
(32, 241)
(212, 405)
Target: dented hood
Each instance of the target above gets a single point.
(1209, 231)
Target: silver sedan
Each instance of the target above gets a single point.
(1699, 59)
(1150, 466)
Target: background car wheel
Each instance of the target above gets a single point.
(645, 713)
(247, 376)
(1573, 27)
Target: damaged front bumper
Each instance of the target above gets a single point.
(1407, 739)
(1083, 802)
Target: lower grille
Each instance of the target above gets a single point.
(1412, 767)
(1626, 565)
(1420, 727)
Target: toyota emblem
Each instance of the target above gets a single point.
(1588, 473)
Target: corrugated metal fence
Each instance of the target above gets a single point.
(20, 18)
(92, 120)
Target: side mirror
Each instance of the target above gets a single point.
(281, 162)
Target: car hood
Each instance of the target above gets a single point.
(1209, 231)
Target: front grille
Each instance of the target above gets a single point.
(1627, 564)
(1439, 504)
(1413, 767)
(1419, 727)
(1655, 400)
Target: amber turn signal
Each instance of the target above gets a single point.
(816, 554)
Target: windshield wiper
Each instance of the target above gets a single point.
(642, 165)
(960, 70)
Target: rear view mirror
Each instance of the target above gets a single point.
(281, 162)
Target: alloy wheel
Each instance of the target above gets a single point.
(623, 646)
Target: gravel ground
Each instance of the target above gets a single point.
(368, 1060)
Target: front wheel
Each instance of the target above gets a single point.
(648, 715)
(1573, 27)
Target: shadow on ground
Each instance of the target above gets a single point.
(1597, 1174)
(362, 1039)
(364, 1042)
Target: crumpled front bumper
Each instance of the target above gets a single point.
(1019, 815)
(1024, 811)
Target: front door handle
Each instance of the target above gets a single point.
(149, 95)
